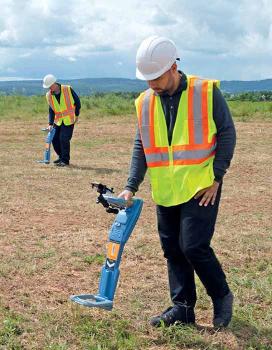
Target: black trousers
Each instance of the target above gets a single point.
(61, 141)
(185, 233)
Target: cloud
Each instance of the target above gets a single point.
(160, 17)
(70, 36)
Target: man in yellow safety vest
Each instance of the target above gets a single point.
(185, 139)
(64, 109)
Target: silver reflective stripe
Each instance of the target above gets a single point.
(197, 112)
(145, 120)
(156, 157)
(194, 154)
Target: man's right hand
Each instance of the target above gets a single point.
(127, 195)
(50, 127)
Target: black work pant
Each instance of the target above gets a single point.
(185, 233)
(61, 141)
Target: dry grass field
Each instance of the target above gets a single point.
(53, 236)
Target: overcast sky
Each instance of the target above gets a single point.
(222, 39)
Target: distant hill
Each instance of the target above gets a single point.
(85, 86)
(238, 86)
(90, 86)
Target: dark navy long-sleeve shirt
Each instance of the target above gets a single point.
(51, 115)
(226, 136)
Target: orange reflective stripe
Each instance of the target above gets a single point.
(151, 119)
(205, 123)
(191, 111)
(158, 164)
(156, 150)
(192, 147)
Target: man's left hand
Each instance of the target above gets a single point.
(208, 194)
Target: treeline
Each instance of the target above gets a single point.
(254, 96)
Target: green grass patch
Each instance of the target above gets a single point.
(115, 334)
(30, 108)
(90, 259)
(251, 111)
(181, 336)
(10, 330)
(57, 347)
(97, 259)
(109, 104)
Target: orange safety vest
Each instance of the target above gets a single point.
(178, 171)
(65, 109)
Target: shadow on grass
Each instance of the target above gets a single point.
(246, 332)
(96, 170)
(181, 336)
(247, 336)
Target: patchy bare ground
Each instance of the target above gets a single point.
(50, 223)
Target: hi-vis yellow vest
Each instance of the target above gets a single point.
(178, 171)
(65, 110)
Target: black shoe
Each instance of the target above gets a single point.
(57, 161)
(62, 164)
(180, 314)
(222, 310)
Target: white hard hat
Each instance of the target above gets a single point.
(155, 56)
(49, 80)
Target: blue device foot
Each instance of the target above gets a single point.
(91, 300)
(42, 161)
